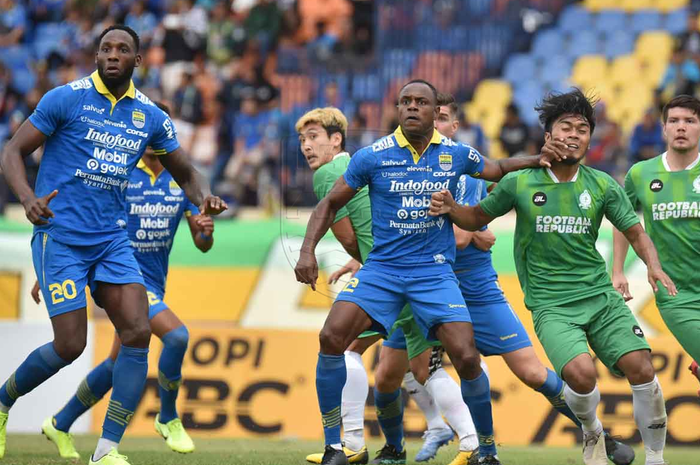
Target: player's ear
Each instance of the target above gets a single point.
(336, 139)
(547, 137)
(137, 61)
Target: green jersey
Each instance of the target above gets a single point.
(670, 202)
(556, 231)
(358, 209)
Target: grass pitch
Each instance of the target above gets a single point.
(36, 450)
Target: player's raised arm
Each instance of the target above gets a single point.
(321, 220)
(25, 141)
(494, 170)
(464, 216)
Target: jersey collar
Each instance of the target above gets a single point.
(556, 180)
(404, 143)
(341, 154)
(102, 89)
(664, 160)
(143, 166)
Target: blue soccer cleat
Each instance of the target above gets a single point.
(434, 439)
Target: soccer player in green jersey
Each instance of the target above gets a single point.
(667, 188)
(564, 278)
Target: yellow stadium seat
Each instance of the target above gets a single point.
(653, 72)
(589, 70)
(669, 5)
(493, 122)
(636, 95)
(602, 91)
(653, 46)
(635, 5)
(496, 150)
(597, 5)
(625, 69)
(493, 93)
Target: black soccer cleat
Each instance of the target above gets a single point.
(618, 452)
(489, 460)
(389, 456)
(334, 457)
(474, 459)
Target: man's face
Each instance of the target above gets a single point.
(575, 132)
(417, 109)
(317, 147)
(446, 123)
(116, 58)
(682, 129)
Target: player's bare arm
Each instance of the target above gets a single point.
(553, 150)
(462, 238)
(202, 230)
(177, 163)
(320, 222)
(463, 216)
(23, 143)
(620, 248)
(642, 245)
(484, 240)
(345, 234)
(352, 267)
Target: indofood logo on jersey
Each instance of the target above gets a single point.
(418, 187)
(445, 161)
(153, 209)
(111, 141)
(138, 119)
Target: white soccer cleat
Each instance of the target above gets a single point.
(594, 452)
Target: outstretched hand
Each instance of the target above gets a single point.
(213, 205)
(37, 209)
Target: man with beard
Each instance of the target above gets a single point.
(564, 278)
(411, 258)
(95, 130)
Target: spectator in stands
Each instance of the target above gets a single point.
(13, 22)
(332, 97)
(188, 110)
(322, 48)
(263, 24)
(689, 41)
(142, 21)
(10, 98)
(515, 135)
(226, 36)
(471, 134)
(607, 150)
(681, 77)
(647, 140)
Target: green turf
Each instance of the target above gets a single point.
(35, 450)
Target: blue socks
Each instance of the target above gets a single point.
(170, 371)
(39, 366)
(390, 416)
(330, 379)
(477, 395)
(129, 379)
(93, 388)
(553, 390)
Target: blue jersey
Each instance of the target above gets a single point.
(93, 144)
(407, 240)
(156, 205)
(471, 191)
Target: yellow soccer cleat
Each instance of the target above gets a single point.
(113, 458)
(63, 441)
(466, 457)
(361, 456)
(175, 435)
(3, 431)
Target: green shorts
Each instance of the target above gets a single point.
(603, 321)
(684, 322)
(406, 335)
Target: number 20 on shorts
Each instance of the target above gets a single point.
(63, 291)
(351, 285)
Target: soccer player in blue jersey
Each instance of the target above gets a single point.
(155, 206)
(497, 329)
(95, 131)
(411, 259)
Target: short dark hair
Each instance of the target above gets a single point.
(448, 100)
(163, 107)
(121, 27)
(556, 104)
(682, 101)
(422, 81)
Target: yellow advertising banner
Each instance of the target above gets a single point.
(261, 383)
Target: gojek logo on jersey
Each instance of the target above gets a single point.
(153, 209)
(418, 187)
(111, 141)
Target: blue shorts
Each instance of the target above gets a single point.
(155, 301)
(434, 299)
(63, 271)
(497, 329)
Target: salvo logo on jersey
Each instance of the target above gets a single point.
(637, 331)
(656, 185)
(584, 200)
(696, 185)
(138, 119)
(539, 199)
(445, 160)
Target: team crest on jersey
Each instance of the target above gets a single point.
(175, 189)
(696, 185)
(584, 200)
(138, 119)
(445, 160)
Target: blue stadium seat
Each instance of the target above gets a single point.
(548, 42)
(367, 87)
(575, 19)
(676, 21)
(15, 57)
(520, 67)
(619, 43)
(476, 8)
(397, 63)
(645, 20)
(456, 40)
(610, 21)
(555, 69)
(528, 92)
(586, 43)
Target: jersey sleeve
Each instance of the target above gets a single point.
(502, 199)
(359, 171)
(53, 110)
(630, 190)
(474, 160)
(190, 208)
(164, 139)
(618, 208)
(324, 179)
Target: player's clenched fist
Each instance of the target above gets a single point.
(553, 150)
(213, 205)
(206, 224)
(37, 209)
(441, 203)
(307, 269)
